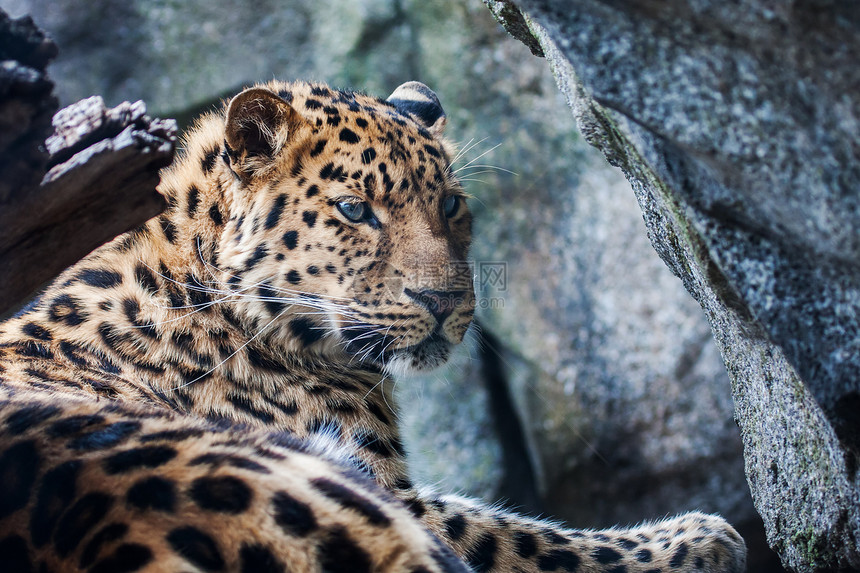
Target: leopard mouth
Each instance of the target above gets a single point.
(430, 353)
(367, 345)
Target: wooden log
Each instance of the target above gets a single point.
(104, 170)
(63, 196)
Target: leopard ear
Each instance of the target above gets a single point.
(418, 100)
(259, 124)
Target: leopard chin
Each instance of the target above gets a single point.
(429, 354)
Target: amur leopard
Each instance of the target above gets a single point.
(206, 392)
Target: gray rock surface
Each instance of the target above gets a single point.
(611, 364)
(738, 128)
(621, 405)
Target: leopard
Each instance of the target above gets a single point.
(210, 391)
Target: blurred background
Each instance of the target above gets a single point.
(592, 390)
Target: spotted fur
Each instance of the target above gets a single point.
(205, 393)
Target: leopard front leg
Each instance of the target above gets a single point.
(495, 540)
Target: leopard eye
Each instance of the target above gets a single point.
(451, 205)
(355, 211)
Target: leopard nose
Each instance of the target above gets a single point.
(440, 303)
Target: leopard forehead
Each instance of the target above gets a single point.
(365, 145)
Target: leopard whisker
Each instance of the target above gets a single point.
(467, 148)
(487, 168)
(385, 336)
(324, 308)
(293, 292)
(196, 307)
(362, 353)
(211, 268)
(463, 148)
(484, 170)
(474, 180)
(381, 356)
(361, 324)
(301, 300)
(188, 286)
(385, 376)
(364, 336)
(234, 353)
(490, 150)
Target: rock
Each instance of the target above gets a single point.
(621, 388)
(594, 392)
(738, 129)
(448, 427)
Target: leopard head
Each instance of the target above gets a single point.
(348, 230)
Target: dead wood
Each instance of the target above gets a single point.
(68, 186)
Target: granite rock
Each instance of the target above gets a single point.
(737, 127)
